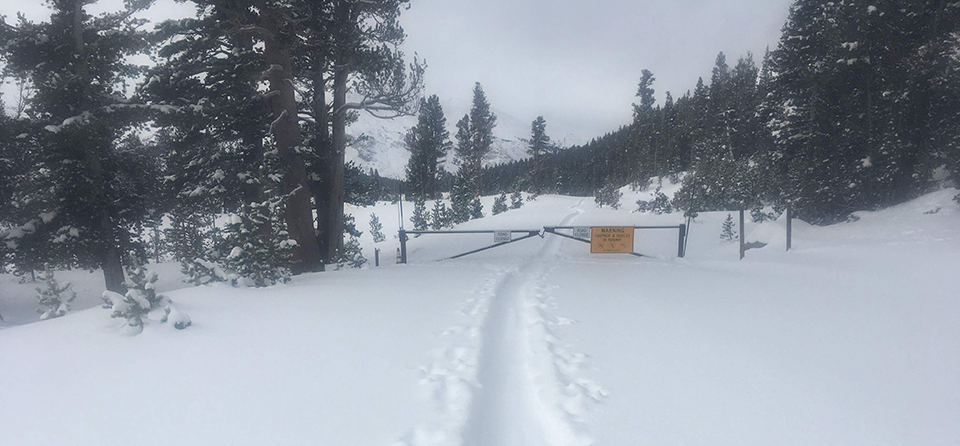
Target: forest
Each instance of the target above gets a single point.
(229, 148)
(857, 108)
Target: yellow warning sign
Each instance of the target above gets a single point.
(611, 239)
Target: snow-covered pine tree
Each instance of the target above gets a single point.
(476, 208)
(221, 111)
(460, 198)
(376, 228)
(260, 250)
(141, 281)
(516, 199)
(729, 233)
(537, 148)
(608, 196)
(428, 143)
(95, 192)
(419, 217)
(55, 299)
(352, 254)
(440, 216)
(500, 204)
(132, 307)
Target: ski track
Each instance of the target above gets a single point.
(506, 378)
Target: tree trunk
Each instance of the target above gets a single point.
(325, 162)
(334, 213)
(287, 137)
(110, 263)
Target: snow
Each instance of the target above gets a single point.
(849, 338)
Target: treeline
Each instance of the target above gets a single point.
(247, 104)
(857, 108)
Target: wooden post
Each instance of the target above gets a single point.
(742, 248)
(683, 239)
(376, 256)
(789, 226)
(403, 246)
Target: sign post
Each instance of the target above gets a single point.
(611, 240)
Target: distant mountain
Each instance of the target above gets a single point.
(378, 143)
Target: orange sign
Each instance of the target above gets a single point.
(611, 239)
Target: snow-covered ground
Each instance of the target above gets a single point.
(851, 338)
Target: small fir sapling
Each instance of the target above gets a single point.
(260, 249)
(139, 279)
(608, 195)
(476, 209)
(440, 217)
(729, 234)
(500, 204)
(132, 306)
(659, 205)
(54, 299)
(352, 254)
(376, 229)
(419, 217)
(516, 199)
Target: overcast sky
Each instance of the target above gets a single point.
(576, 62)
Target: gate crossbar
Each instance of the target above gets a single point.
(403, 239)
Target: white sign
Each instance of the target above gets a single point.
(583, 233)
(501, 236)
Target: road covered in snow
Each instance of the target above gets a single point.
(851, 338)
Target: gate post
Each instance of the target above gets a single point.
(683, 238)
(742, 248)
(789, 226)
(403, 246)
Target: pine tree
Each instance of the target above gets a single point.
(440, 216)
(79, 70)
(258, 247)
(476, 208)
(728, 234)
(419, 217)
(516, 199)
(428, 143)
(249, 39)
(54, 299)
(608, 196)
(132, 307)
(460, 197)
(353, 47)
(376, 229)
(537, 147)
(140, 281)
(500, 204)
(474, 142)
(351, 255)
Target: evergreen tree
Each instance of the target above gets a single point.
(500, 204)
(428, 143)
(376, 229)
(140, 281)
(419, 217)
(440, 216)
(516, 199)
(538, 146)
(79, 69)
(608, 196)
(257, 245)
(54, 299)
(248, 38)
(474, 142)
(729, 233)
